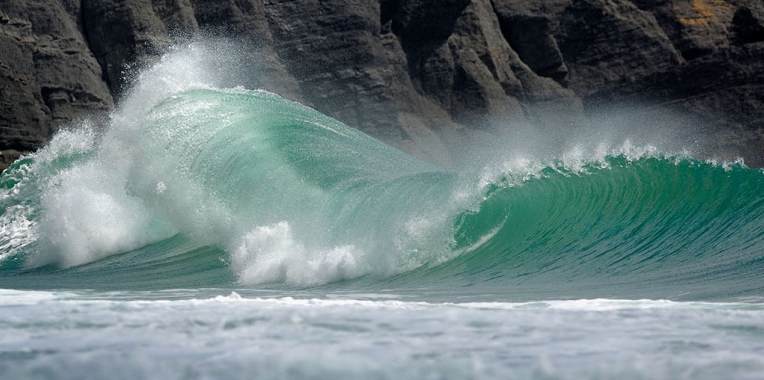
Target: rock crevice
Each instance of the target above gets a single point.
(414, 75)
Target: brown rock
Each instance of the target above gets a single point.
(413, 75)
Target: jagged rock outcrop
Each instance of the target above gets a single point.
(418, 76)
(48, 76)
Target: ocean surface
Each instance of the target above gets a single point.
(209, 231)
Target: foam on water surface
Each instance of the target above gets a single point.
(68, 335)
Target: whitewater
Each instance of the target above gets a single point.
(206, 230)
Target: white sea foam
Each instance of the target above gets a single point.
(16, 231)
(87, 194)
(89, 215)
(70, 336)
(271, 254)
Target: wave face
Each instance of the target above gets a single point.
(190, 185)
(675, 224)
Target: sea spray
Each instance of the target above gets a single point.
(248, 183)
(295, 197)
(291, 194)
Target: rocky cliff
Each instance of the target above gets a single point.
(417, 74)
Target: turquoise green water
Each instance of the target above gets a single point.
(230, 188)
(209, 232)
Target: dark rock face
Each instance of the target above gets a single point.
(606, 43)
(415, 75)
(48, 74)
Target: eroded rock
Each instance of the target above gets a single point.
(418, 76)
